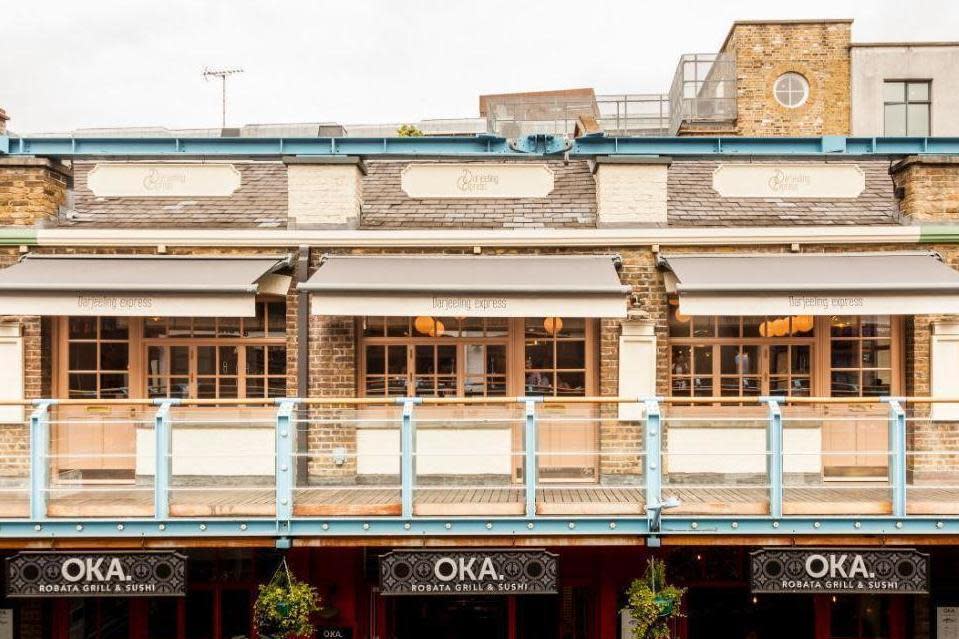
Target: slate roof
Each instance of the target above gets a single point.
(691, 201)
(572, 203)
(260, 202)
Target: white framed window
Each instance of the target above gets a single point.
(791, 90)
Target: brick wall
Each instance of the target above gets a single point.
(631, 193)
(333, 373)
(31, 190)
(818, 50)
(929, 188)
(325, 195)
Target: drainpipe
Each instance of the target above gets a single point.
(302, 352)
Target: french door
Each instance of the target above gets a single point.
(194, 371)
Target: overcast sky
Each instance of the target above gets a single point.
(67, 64)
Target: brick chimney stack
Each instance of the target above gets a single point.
(3, 121)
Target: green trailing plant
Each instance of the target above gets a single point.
(652, 603)
(409, 131)
(283, 607)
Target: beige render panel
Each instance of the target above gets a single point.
(872, 65)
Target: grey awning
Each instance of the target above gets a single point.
(895, 283)
(139, 285)
(471, 286)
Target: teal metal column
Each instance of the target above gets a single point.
(39, 450)
(163, 436)
(530, 442)
(285, 434)
(774, 458)
(897, 457)
(654, 453)
(407, 455)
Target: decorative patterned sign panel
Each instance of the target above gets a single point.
(457, 572)
(789, 180)
(96, 574)
(477, 180)
(839, 570)
(163, 179)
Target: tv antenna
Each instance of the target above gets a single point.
(223, 74)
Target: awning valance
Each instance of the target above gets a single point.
(893, 283)
(468, 286)
(140, 285)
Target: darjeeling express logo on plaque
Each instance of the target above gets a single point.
(483, 572)
(477, 180)
(163, 179)
(101, 574)
(839, 570)
(789, 180)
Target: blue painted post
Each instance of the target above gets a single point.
(39, 471)
(163, 435)
(530, 442)
(654, 453)
(774, 458)
(407, 456)
(897, 457)
(285, 434)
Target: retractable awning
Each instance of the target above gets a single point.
(140, 285)
(468, 286)
(892, 283)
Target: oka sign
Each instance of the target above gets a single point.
(457, 572)
(121, 574)
(839, 570)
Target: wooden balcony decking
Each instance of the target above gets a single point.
(115, 501)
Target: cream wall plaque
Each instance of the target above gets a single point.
(135, 179)
(476, 180)
(789, 180)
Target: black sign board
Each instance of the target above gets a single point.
(334, 632)
(839, 570)
(96, 574)
(457, 572)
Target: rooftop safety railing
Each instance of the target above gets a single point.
(703, 90)
(679, 465)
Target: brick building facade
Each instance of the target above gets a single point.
(600, 373)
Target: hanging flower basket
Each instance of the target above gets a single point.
(652, 603)
(283, 607)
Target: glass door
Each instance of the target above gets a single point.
(170, 371)
(194, 372)
(435, 370)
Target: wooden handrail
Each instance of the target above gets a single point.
(435, 401)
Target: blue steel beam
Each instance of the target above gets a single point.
(706, 526)
(827, 145)
(481, 145)
(72, 146)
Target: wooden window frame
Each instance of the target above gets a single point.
(138, 344)
(821, 342)
(588, 339)
(61, 359)
(514, 340)
(896, 345)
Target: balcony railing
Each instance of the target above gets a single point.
(703, 90)
(520, 465)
